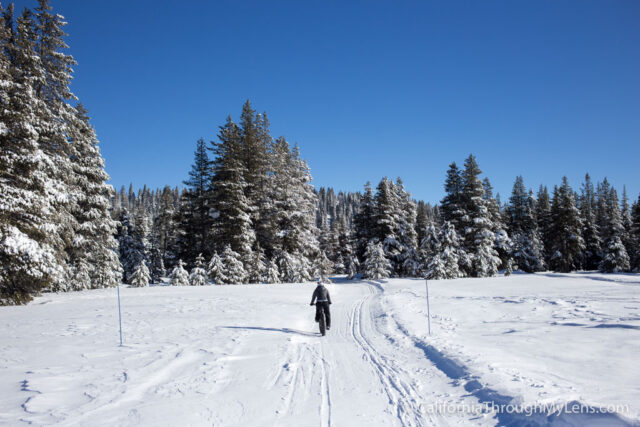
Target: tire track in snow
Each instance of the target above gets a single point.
(295, 381)
(325, 406)
(401, 393)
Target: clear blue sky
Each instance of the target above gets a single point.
(368, 88)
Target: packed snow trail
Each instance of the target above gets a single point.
(252, 355)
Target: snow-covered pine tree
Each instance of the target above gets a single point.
(141, 276)
(478, 228)
(452, 204)
(255, 142)
(625, 214)
(353, 267)
(364, 222)
(156, 264)
(27, 259)
(566, 243)
(443, 264)
(322, 267)
(272, 274)
(163, 230)
(131, 248)
(429, 246)
(80, 279)
(287, 267)
(292, 212)
(234, 272)
(376, 265)
(344, 250)
(590, 229)
(257, 267)
(614, 254)
(216, 270)
(198, 276)
(509, 268)
(195, 219)
(635, 236)
(179, 276)
(502, 242)
(422, 221)
(527, 249)
(232, 224)
(407, 236)
(94, 242)
(544, 220)
(46, 129)
(54, 124)
(387, 218)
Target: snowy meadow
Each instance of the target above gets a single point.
(251, 355)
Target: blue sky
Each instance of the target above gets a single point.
(368, 88)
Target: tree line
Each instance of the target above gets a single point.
(386, 233)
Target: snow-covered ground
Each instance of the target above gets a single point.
(251, 355)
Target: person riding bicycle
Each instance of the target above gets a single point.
(321, 294)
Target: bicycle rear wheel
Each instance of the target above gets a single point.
(322, 323)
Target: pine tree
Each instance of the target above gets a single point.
(195, 219)
(590, 229)
(272, 275)
(131, 248)
(158, 271)
(452, 204)
(164, 227)
(422, 221)
(376, 265)
(625, 213)
(27, 259)
(255, 142)
(527, 248)
(502, 242)
(635, 236)
(364, 222)
(614, 254)
(407, 236)
(429, 246)
(544, 220)
(45, 37)
(322, 267)
(94, 241)
(444, 262)
(234, 272)
(292, 213)
(179, 276)
(80, 279)
(476, 222)
(566, 243)
(387, 220)
(216, 270)
(198, 276)
(353, 266)
(140, 277)
(232, 224)
(257, 267)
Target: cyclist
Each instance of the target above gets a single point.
(321, 294)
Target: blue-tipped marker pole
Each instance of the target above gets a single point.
(428, 309)
(119, 316)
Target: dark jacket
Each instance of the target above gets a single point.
(322, 294)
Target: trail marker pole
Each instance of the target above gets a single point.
(428, 309)
(119, 316)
